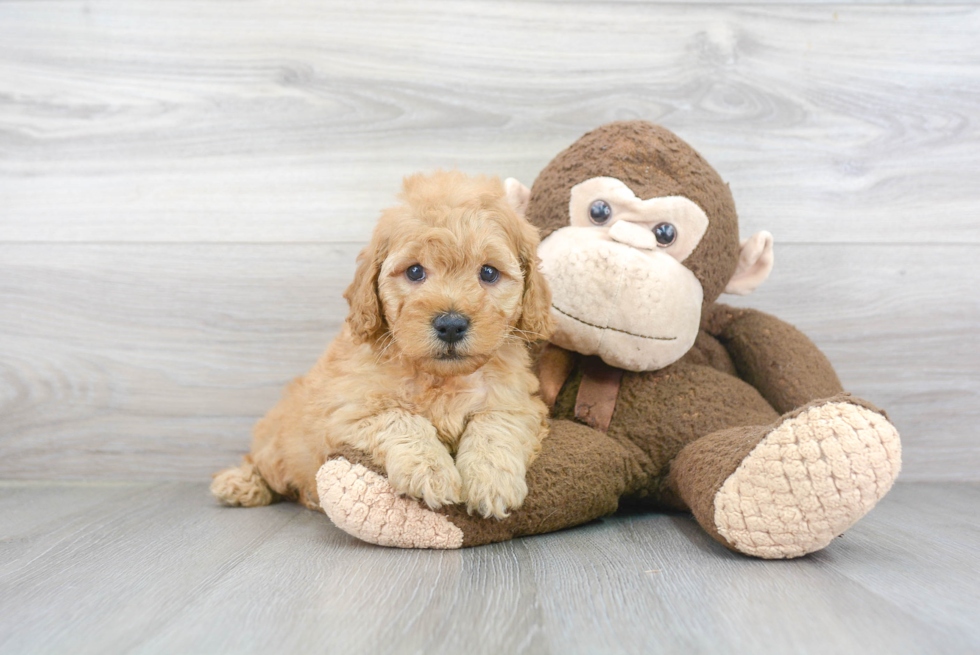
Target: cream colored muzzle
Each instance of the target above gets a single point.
(638, 309)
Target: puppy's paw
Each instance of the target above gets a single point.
(491, 489)
(429, 475)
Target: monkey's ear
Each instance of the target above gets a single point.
(517, 195)
(754, 264)
(366, 320)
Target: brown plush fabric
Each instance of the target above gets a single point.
(653, 162)
(579, 477)
(699, 470)
(708, 351)
(773, 356)
(355, 456)
(660, 412)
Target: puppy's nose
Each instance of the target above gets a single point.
(451, 326)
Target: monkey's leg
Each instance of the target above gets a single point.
(773, 356)
(788, 489)
(579, 476)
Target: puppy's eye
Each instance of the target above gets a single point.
(489, 274)
(415, 273)
(665, 234)
(599, 212)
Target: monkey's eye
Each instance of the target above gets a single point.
(599, 212)
(415, 273)
(489, 274)
(665, 233)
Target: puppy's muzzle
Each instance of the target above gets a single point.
(450, 327)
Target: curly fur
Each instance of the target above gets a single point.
(389, 387)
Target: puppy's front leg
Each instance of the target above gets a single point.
(417, 463)
(493, 457)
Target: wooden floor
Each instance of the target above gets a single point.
(160, 568)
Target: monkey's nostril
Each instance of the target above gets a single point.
(451, 326)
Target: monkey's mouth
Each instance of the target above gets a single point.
(607, 327)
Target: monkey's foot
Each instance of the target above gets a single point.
(809, 479)
(364, 505)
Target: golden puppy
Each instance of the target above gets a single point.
(432, 361)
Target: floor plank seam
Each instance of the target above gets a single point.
(210, 584)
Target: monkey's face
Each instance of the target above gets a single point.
(619, 288)
(639, 234)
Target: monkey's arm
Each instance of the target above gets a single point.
(774, 357)
(579, 476)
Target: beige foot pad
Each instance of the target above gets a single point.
(362, 503)
(806, 482)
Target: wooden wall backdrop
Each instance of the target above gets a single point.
(184, 186)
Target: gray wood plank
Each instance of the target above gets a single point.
(120, 362)
(153, 361)
(658, 583)
(923, 543)
(105, 577)
(27, 507)
(44, 519)
(166, 570)
(184, 122)
(425, 599)
(585, 590)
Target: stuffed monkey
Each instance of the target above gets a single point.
(659, 395)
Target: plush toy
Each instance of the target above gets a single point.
(659, 395)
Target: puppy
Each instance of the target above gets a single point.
(432, 362)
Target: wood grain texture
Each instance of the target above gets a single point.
(914, 554)
(155, 360)
(183, 189)
(183, 121)
(163, 569)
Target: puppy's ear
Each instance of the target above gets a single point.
(366, 320)
(535, 321)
